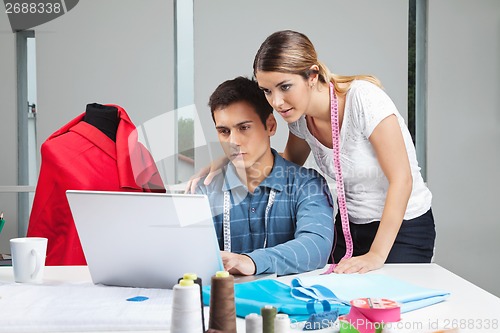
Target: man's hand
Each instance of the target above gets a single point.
(238, 264)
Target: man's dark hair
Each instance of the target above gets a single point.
(240, 89)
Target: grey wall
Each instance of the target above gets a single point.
(114, 51)
(8, 130)
(348, 40)
(464, 136)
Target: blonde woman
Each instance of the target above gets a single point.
(388, 204)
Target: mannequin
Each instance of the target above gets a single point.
(99, 151)
(103, 117)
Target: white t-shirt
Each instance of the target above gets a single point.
(365, 184)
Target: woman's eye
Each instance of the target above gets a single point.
(285, 87)
(266, 91)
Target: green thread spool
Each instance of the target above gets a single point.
(268, 314)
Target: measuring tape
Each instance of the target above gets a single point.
(226, 224)
(368, 315)
(344, 217)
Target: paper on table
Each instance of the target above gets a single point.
(82, 307)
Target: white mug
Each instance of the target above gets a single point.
(28, 258)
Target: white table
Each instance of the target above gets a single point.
(469, 308)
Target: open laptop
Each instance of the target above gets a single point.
(146, 240)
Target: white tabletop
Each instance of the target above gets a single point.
(468, 309)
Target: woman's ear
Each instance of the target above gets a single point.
(313, 75)
(271, 125)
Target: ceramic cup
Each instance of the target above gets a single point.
(28, 258)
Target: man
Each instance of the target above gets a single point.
(280, 215)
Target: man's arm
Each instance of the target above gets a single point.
(313, 240)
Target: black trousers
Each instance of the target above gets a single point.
(414, 242)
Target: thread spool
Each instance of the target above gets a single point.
(281, 323)
(268, 314)
(222, 306)
(253, 323)
(196, 280)
(186, 308)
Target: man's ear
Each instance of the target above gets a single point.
(271, 125)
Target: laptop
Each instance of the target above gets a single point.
(146, 240)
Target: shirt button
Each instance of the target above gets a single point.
(252, 210)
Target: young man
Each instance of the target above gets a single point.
(270, 215)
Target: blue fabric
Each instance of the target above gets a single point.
(250, 297)
(300, 226)
(342, 288)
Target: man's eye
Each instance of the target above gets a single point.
(243, 128)
(224, 132)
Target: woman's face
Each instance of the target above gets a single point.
(288, 94)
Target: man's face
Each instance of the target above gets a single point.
(243, 137)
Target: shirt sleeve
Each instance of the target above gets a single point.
(313, 238)
(370, 106)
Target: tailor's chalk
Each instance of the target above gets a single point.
(137, 299)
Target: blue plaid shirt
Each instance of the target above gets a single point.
(300, 223)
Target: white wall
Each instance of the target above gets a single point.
(464, 136)
(351, 37)
(8, 130)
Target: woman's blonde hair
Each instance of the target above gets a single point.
(292, 52)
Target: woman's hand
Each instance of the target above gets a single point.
(361, 264)
(210, 171)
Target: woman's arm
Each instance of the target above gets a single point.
(296, 150)
(388, 143)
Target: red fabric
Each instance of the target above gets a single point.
(80, 157)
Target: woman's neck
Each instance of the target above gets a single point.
(320, 103)
(320, 108)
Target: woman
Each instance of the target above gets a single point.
(388, 203)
